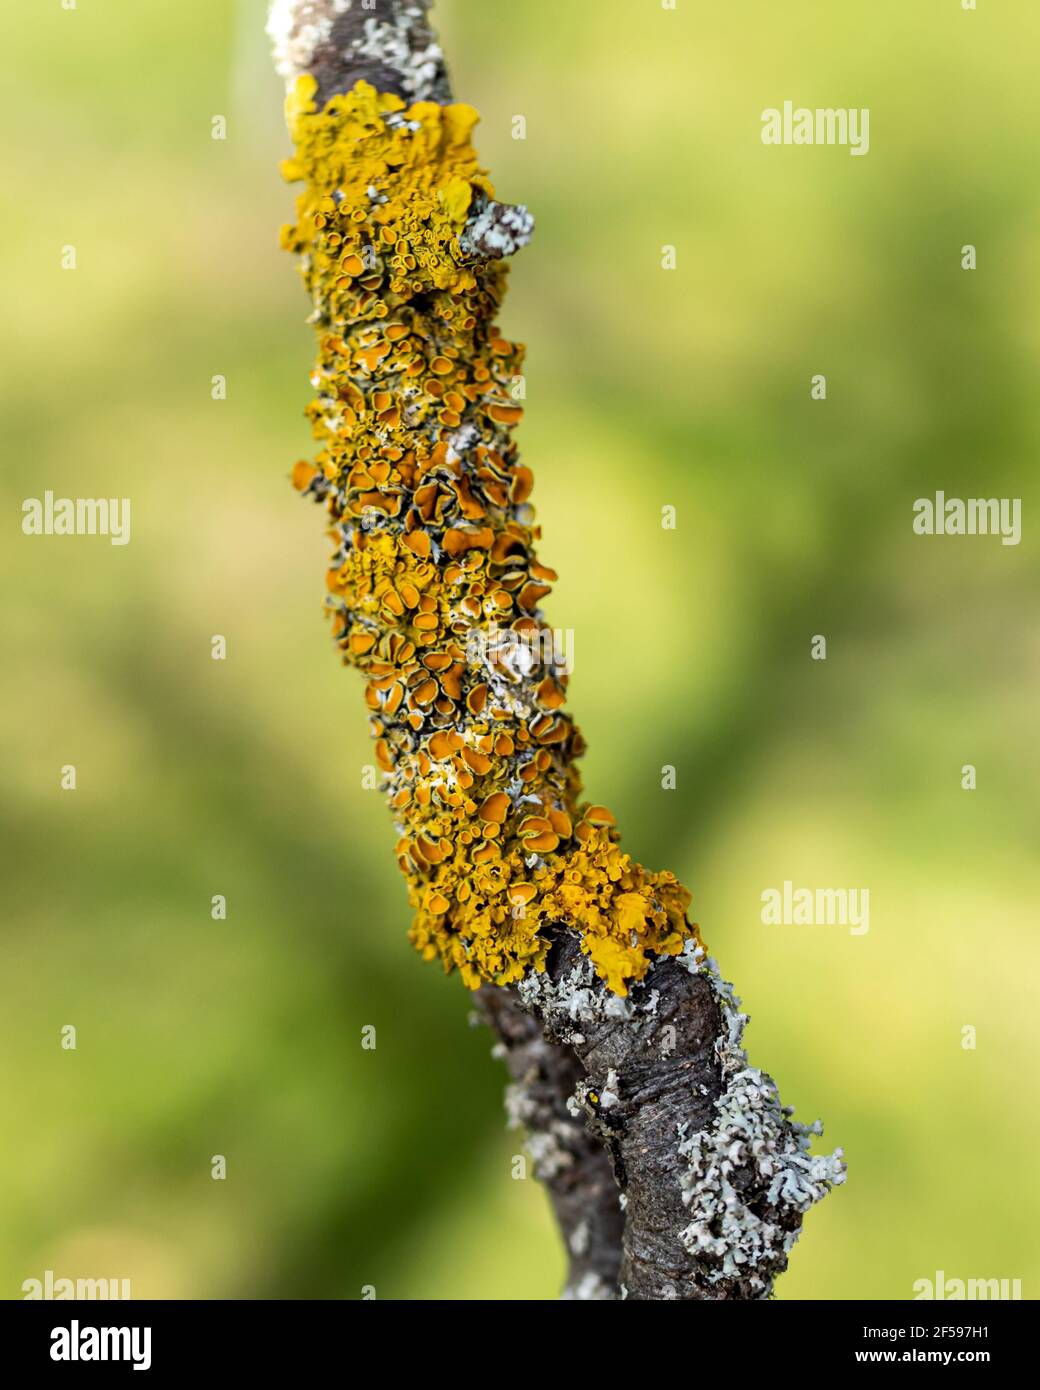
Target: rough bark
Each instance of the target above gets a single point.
(568, 1158)
(388, 43)
(673, 1169)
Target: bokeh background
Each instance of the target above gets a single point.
(645, 388)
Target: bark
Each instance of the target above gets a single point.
(568, 1158)
(673, 1169)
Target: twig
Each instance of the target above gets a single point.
(674, 1171)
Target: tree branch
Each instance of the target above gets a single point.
(571, 1162)
(673, 1168)
(388, 43)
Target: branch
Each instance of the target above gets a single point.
(567, 1157)
(673, 1168)
(390, 45)
(387, 43)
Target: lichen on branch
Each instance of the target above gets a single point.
(674, 1170)
(435, 586)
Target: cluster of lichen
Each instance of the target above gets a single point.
(434, 543)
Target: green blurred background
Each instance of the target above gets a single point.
(691, 388)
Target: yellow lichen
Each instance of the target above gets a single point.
(434, 547)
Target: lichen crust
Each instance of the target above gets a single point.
(434, 588)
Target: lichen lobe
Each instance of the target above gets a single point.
(435, 587)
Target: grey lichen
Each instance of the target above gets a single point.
(386, 42)
(546, 1142)
(404, 44)
(589, 1287)
(570, 1160)
(578, 1240)
(494, 230)
(714, 1175)
(750, 1177)
(297, 29)
(577, 997)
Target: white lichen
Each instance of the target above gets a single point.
(589, 1287)
(392, 43)
(752, 1166)
(297, 28)
(497, 229)
(548, 1147)
(579, 1239)
(608, 1096)
(402, 43)
(577, 997)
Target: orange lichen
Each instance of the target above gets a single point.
(434, 585)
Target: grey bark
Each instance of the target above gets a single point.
(569, 1159)
(388, 43)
